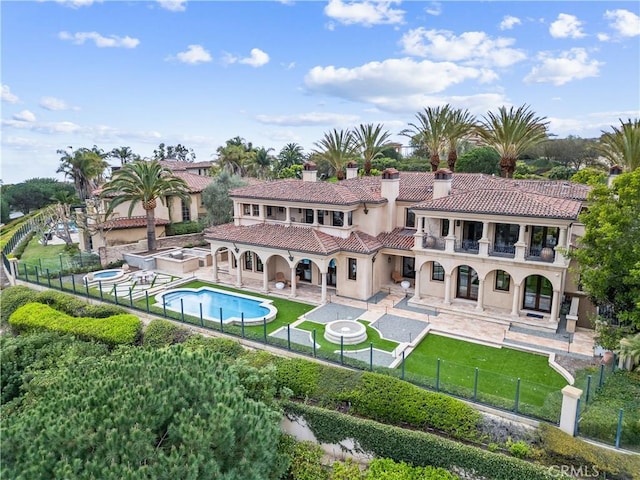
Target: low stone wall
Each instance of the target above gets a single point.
(116, 252)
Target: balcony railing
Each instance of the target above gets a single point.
(467, 246)
(540, 254)
(502, 250)
(433, 243)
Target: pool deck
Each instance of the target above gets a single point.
(393, 311)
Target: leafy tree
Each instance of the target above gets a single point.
(178, 153)
(573, 152)
(609, 253)
(124, 154)
(34, 193)
(294, 171)
(479, 160)
(560, 172)
(144, 182)
(511, 132)
(337, 148)
(4, 210)
(430, 132)
(141, 413)
(459, 124)
(290, 155)
(590, 176)
(85, 167)
(371, 141)
(261, 163)
(622, 145)
(234, 156)
(215, 198)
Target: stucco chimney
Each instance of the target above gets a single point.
(442, 183)
(613, 174)
(390, 189)
(352, 170)
(309, 172)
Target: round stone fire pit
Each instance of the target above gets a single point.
(350, 331)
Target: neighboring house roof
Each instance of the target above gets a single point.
(196, 183)
(297, 239)
(176, 165)
(133, 222)
(511, 202)
(399, 238)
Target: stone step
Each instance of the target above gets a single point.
(542, 343)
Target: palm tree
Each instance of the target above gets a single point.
(85, 167)
(235, 156)
(430, 132)
(510, 133)
(124, 154)
(460, 123)
(337, 148)
(261, 163)
(144, 182)
(629, 350)
(622, 146)
(291, 154)
(371, 141)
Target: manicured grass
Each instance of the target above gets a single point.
(47, 257)
(372, 336)
(498, 368)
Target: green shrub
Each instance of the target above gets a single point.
(415, 447)
(230, 349)
(387, 469)
(22, 246)
(184, 228)
(119, 329)
(305, 462)
(161, 333)
(347, 470)
(519, 449)
(12, 298)
(559, 448)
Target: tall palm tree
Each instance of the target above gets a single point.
(337, 147)
(291, 154)
(460, 123)
(144, 182)
(124, 154)
(371, 141)
(261, 163)
(430, 132)
(85, 167)
(622, 146)
(235, 156)
(512, 132)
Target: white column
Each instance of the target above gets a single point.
(293, 281)
(447, 288)
(265, 278)
(315, 216)
(238, 271)
(515, 306)
(520, 244)
(323, 296)
(416, 287)
(570, 396)
(555, 306)
(480, 302)
(562, 243)
(483, 243)
(214, 266)
(287, 220)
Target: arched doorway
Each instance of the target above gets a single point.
(538, 293)
(467, 283)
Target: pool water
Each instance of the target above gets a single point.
(106, 274)
(233, 305)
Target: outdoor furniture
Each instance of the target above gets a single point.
(280, 278)
(396, 276)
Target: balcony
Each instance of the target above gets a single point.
(467, 246)
(433, 243)
(502, 250)
(540, 254)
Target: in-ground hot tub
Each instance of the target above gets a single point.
(348, 332)
(105, 276)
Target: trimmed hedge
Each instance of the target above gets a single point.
(162, 333)
(416, 448)
(115, 330)
(560, 448)
(379, 397)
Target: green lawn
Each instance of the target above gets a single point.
(372, 336)
(44, 257)
(499, 369)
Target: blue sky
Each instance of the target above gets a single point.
(135, 73)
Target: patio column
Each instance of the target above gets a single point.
(238, 273)
(520, 244)
(323, 296)
(555, 306)
(447, 288)
(293, 281)
(287, 221)
(516, 300)
(483, 243)
(214, 266)
(416, 286)
(562, 243)
(480, 302)
(315, 216)
(265, 279)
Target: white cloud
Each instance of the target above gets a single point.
(509, 21)
(257, 59)
(52, 103)
(24, 116)
(78, 3)
(365, 13)
(101, 41)
(435, 9)
(307, 119)
(566, 26)
(193, 55)
(474, 48)
(173, 5)
(47, 128)
(571, 65)
(7, 96)
(626, 23)
(603, 37)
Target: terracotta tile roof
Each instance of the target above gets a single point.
(133, 222)
(400, 238)
(196, 183)
(176, 165)
(296, 239)
(511, 202)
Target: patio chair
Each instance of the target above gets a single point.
(280, 278)
(396, 276)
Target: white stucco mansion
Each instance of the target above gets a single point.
(461, 240)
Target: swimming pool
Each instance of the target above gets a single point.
(216, 303)
(105, 276)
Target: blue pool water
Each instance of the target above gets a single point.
(233, 306)
(106, 274)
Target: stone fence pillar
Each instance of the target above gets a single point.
(570, 397)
